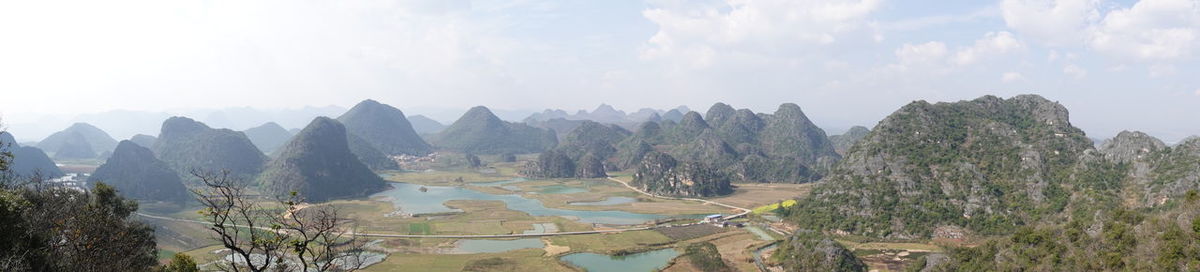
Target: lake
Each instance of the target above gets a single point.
(640, 262)
(409, 199)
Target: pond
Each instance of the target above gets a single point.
(409, 199)
(613, 200)
(640, 262)
(495, 246)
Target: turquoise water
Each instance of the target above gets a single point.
(640, 262)
(495, 246)
(409, 199)
(614, 200)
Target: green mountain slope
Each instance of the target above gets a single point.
(318, 165)
(185, 144)
(384, 127)
(137, 174)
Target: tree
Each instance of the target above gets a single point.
(181, 263)
(295, 237)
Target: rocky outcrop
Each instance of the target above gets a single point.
(661, 174)
(811, 251)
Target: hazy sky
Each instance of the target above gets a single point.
(1115, 64)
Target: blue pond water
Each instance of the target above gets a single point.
(409, 199)
(640, 262)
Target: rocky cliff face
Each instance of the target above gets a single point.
(842, 143)
(661, 174)
(1155, 173)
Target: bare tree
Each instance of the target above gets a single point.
(296, 238)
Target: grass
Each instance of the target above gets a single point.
(914, 247)
(419, 228)
(612, 242)
(759, 194)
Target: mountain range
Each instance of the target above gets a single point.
(79, 141)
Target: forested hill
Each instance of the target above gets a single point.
(137, 174)
(185, 144)
(984, 165)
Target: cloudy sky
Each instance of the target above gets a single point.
(1116, 65)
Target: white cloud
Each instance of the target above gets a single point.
(929, 52)
(1150, 30)
(1052, 22)
(1011, 77)
(992, 44)
(695, 34)
(1075, 71)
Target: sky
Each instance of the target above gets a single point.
(1117, 65)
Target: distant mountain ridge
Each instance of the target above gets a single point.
(780, 147)
(79, 141)
(480, 132)
(268, 136)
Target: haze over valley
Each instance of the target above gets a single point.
(627, 135)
